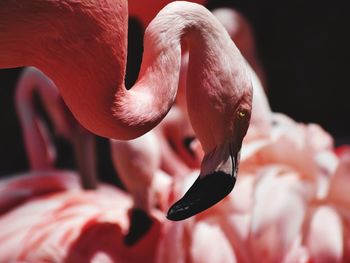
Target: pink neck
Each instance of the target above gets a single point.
(89, 70)
(39, 148)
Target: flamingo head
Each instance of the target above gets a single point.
(219, 166)
(219, 103)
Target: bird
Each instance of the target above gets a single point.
(84, 53)
(38, 144)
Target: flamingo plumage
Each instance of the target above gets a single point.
(90, 38)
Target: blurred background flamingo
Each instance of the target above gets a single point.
(36, 136)
(39, 146)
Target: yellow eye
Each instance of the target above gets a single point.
(241, 114)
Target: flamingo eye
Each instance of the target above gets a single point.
(241, 114)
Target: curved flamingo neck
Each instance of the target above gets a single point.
(81, 46)
(38, 145)
(214, 62)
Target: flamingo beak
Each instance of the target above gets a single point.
(217, 179)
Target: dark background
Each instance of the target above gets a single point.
(304, 50)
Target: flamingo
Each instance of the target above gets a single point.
(40, 150)
(84, 53)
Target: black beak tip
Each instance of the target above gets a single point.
(204, 193)
(140, 224)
